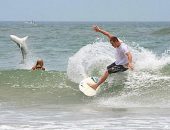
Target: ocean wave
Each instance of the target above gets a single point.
(162, 31)
(41, 86)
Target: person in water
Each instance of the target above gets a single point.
(39, 65)
(123, 57)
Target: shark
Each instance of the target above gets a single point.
(21, 42)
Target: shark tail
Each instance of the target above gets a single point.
(24, 39)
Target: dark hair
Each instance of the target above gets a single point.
(114, 39)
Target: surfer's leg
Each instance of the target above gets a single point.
(110, 70)
(113, 68)
(101, 80)
(103, 77)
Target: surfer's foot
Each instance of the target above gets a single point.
(94, 86)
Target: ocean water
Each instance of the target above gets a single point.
(51, 100)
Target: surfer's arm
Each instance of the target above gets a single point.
(129, 55)
(97, 29)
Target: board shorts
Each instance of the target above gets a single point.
(113, 68)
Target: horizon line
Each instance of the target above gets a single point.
(71, 21)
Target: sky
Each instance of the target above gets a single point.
(85, 10)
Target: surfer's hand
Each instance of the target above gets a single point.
(96, 28)
(130, 66)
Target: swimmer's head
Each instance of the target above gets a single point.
(39, 63)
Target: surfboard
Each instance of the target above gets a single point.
(85, 88)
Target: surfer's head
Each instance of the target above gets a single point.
(115, 42)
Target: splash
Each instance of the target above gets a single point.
(147, 60)
(90, 59)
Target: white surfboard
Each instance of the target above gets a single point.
(85, 88)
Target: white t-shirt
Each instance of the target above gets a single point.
(120, 54)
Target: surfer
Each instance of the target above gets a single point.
(39, 65)
(123, 57)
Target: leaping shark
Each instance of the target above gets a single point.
(21, 42)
